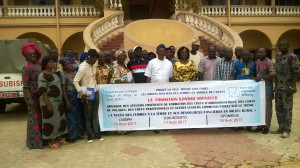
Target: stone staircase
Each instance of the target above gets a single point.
(204, 44)
(115, 42)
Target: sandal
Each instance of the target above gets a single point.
(54, 146)
(62, 142)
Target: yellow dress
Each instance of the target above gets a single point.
(184, 72)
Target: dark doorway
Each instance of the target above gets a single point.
(297, 52)
(139, 12)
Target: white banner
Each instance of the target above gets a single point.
(200, 104)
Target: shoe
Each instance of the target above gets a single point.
(258, 129)
(156, 131)
(98, 137)
(285, 135)
(90, 139)
(265, 131)
(238, 128)
(278, 131)
(249, 129)
(70, 140)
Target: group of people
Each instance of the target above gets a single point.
(58, 105)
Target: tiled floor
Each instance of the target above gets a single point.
(173, 148)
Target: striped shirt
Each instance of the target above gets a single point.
(223, 69)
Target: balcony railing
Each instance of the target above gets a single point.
(213, 10)
(78, 11)
(115, 4)
(101, 28)
(219, 32)
(242, 10)
(49, 11)
(251, 10)
(287, 10)
(31, 11)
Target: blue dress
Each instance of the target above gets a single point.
(75, 120)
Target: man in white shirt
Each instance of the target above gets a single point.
(195, 55)
(159, 69)
(86, 76)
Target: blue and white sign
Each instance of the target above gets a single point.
(201, 104)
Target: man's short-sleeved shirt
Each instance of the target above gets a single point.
(159, 70)
(207, 67)
(223, 69)
(243, 71)
(264, 68)
(138, 70)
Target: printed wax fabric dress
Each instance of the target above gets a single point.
(116, 72)
(75, 115)
(102, 74)
(54, 123)
(184, 72)
(34, 123)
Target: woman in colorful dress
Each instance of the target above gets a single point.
(184, 69)
(53, 111)
(74, 109)
(119, 73)
(30, 73)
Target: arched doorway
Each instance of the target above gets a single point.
(148, 9)
(76, 43)
(40, 37)
(253, 39)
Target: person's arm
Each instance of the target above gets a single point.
(148, 72)
(200, 76)
(195, 72)
(294, 69)
(63, 87)
(26, 88)
(200, 70)
(176, 75)
(77, 78)
(233, 73)
(148, 80)
(43, 84)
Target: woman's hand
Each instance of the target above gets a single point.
(49, 108)
(68, 106)
(30, 102)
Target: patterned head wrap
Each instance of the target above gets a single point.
(64, 59)
(119, 52)
(31, 46)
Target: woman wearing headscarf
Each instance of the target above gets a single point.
(74, 110)
(52, 107)
(30, 73)
(119, 73)
(184, 69)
